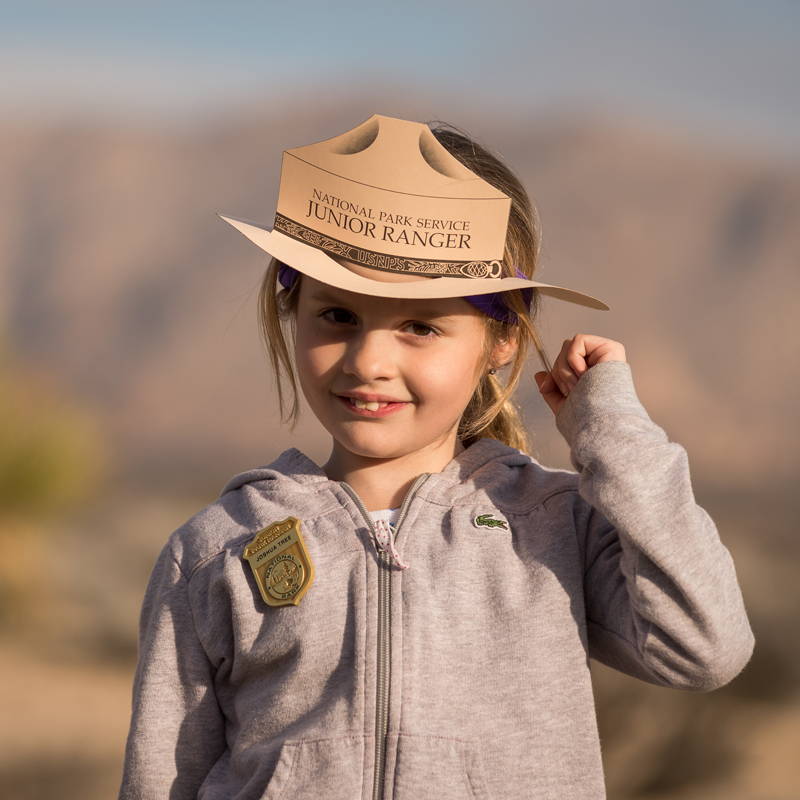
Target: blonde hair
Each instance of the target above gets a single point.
(491, 411)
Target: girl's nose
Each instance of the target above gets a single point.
(370, 356)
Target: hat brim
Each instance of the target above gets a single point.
(319, 265)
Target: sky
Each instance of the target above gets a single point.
(726, 66)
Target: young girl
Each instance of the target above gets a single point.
(414, 618)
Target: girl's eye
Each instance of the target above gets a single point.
(342, 316)
(338, 314)
(422, 330)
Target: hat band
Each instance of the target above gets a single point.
(388, 263)
(493, 305)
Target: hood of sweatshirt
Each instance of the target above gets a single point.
(486, 464)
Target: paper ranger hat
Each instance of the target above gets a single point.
(389, 196)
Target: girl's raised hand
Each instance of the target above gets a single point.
(577, 355)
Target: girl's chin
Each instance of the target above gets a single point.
(370, 449)
(371, 446)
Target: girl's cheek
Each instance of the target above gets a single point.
(430, 386)
(310, 364)
(310, 343)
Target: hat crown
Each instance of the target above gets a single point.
(396, 155)
(386, 194)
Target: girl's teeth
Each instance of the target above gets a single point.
(368, 406)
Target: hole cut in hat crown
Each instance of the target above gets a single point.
(438, 158)
(357, 140)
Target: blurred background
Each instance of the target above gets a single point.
(661, 144)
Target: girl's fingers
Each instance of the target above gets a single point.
(545, 382)
(559, 381)
(574, 353)
(591, 349)
(577, 363)
(563, 373)
(550, 392)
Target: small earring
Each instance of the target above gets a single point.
(492, 371)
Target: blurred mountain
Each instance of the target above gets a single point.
(117, 278)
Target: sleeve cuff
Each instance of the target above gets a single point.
(605, 388)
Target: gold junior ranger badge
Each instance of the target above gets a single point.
(281, 564)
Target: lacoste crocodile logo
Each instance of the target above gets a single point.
(488, 521)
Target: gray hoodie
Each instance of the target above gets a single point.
(465, 675)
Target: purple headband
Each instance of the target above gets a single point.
(491, 304)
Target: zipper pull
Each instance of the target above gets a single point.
(385, 542)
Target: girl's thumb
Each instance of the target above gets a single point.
(541, 378)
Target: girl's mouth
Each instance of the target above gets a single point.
(371, 409)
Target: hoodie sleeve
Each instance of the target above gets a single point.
(662, 599)
(177, 731)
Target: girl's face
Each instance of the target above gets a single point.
(419, 359)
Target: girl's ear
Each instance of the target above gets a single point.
(504, 350)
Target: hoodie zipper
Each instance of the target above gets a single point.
(384, 628)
